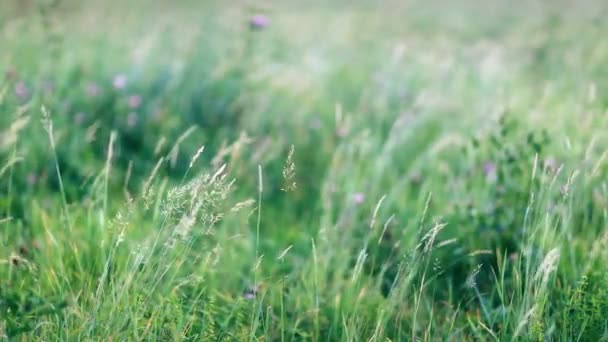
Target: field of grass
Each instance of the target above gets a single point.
(303, 171)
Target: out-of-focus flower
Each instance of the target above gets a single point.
(93, 90)
(21, 91)
(251, 292)
(120, 81)
(259, 21)
(134, 101)
(358, 197)
(489, 169)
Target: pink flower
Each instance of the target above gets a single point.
(134, 101)
(358, 197)
(93, 90)
(258, 22)
(21, 91)
(120, 81)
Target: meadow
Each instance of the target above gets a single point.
(303, 171)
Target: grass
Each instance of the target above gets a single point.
(352, 171)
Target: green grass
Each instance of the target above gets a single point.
(351, 172)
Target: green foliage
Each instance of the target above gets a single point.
(587, 307)
(326, 172)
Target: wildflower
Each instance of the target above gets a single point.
(489, 169)
(93, 90)
(134, 101)
(358, 197)
(251, 292)
(120, 81)
(21, 91)
(258, 22)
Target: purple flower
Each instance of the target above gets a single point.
(358, 197)
(120, 81)
(134, 101)
(93, 90)
(489, 169)
(21, 91)
(251, 292)
(258, 22)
